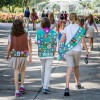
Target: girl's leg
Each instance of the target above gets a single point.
(68, 74)
(22, 75)
(16, 72)
(42, 70)
(48, 65)
(70, 63)
(77, 56)
(92, 43)
(33, 25)
(23, 67)
(89, 41)
(76, 74)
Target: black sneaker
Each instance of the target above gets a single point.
(66, 93)
(45, 91)
(34, 29)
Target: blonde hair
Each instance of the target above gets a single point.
(73, 16)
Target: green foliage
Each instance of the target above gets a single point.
(34, 2)
(10, 4)
(90, 5)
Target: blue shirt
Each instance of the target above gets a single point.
(27, 13)
(59, 36)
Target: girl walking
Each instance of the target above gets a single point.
(46, 40)
(52, 20)
(89, 25)
(34, 17)
(19, 49)
(73, 55)
(60, 28)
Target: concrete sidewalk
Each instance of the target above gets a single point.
(89, 77)
(7, 26)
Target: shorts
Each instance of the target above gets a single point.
(73, 58)
(90, 33)
(26, 20)
(18, 62)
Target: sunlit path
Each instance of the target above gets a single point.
(89, 75)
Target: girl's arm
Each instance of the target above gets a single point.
(85, 46)
(96, 27)
(30, 43)
(63, 37)
(31, 17)
(29, 40)
(86, 27)
(36, 42)
(30, 51)
(8, 50)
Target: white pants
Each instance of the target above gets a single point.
(26, 21)
(46, 72)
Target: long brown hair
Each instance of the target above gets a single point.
(17, 28)
(81, 22)
(51, 18)
(90, 19)
(59, 25)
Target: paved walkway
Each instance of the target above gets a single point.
(89, 76)
(7, 26)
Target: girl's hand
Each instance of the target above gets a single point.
(86, 27)
(86, 59)
(7, 57)
(36, 42)
(30, 58)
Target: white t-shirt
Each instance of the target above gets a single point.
(70, 31)
(86, 23)
(9, 37)
(47, 11)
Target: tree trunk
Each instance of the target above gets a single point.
(9, 8)
(1, 8)
(13, 8)
(26, 1)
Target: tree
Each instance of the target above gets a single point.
(11, 4)
(91, 4)
(96, 3)
(34, 2)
